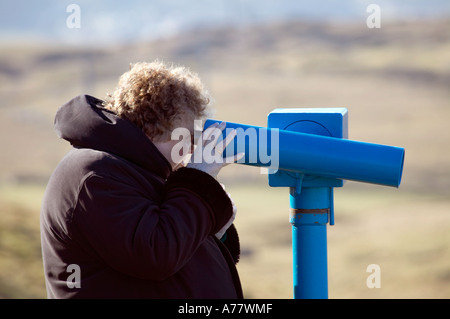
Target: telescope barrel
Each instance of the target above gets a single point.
(315, 154)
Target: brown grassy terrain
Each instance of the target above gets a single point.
(394, 81)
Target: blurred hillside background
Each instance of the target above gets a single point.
(253, 56)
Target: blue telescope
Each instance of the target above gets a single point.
(308, 151)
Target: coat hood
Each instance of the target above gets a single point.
(86, 124)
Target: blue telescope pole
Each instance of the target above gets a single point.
(309, 218)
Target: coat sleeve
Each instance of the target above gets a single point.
(143, 238)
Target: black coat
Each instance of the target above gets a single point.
(114, 210)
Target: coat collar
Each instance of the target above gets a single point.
(85, 123)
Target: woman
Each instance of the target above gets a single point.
(121, 217)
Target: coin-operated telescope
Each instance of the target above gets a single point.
(308, 151)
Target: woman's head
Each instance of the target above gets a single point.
(159, 98)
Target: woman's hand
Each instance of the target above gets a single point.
(207, 156)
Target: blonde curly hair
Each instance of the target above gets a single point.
(157, 97)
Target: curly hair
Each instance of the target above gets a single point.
(157, 97)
